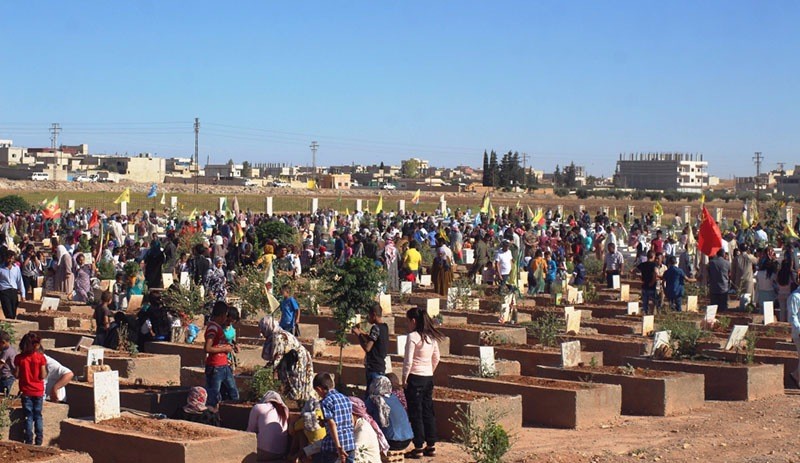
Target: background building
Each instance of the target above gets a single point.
(687, 173)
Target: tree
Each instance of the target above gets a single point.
(382, 167)
(13, 203)
(247, 169)
(570, 175)
(410, 168)
(493, 169)
(558, 179)
(487, 174)
(280, 232)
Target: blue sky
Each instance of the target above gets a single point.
(382, 81)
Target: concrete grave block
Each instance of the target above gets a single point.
(769, 312)
(405, 287)
(648, 323)
(633, 308)
(106, 396)
(615, 282)
(570, 354)
(625, 293)
(431, 305)
(574, 322)
(84, 343)
(691, 303)
(487, 363)
(95, 355)
(737, 336)
(49, 304)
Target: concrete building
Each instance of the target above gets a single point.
(180, 167)
(686, 173)
(141, 168)
(278, 170)
(789, 184)
(11, 155)
(227, 170)
(335, 181)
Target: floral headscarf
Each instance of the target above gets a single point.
(379, 390)
(360, 410)
(196, 402)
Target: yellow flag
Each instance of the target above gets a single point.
(379, 207)
(486, 205)
(491, 211)
(124, 197)
(347, 211)
(788, 230)
(530, 213)
(702, 198)
(657, 209)
(517, 206)
(415, 198)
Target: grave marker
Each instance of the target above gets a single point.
(173, 202)
(106, 395)
(478, 278)
(572, 294)
(625, 293)
(487, 363)
(568, 310)
(425, 280)
(46, 243)
(184, 280)
(385, 301)
(268, 205)
(405, 287)
(469, 256)
(769, 312)
(574, 322)
(648, 324)
(167, 280)
(84, 343)
(37, 294)
(401, 344)
(570, 354)
(660, 339)
(135, 303)
(633, 308)
(432, 306)
(579, 299)
(615, 282)
(359, 205)
(314, 205)
(691, 303)
(401, 205)
(737, 336)
(95, 355)
(711, 315)
(49, 304)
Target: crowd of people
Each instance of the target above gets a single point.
(210, 248)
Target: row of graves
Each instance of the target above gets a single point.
(578, 360)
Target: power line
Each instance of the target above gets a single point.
(757, 158)
(314, 147)
(196, 154)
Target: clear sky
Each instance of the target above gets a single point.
(380, 81)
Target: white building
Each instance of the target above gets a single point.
(687, 173)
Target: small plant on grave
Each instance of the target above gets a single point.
(487, 371)
(590, 292)
(125, 343)
(262, 381)
(547, 329)
(5, 415)
(462, 298)
(770, 333)
(492, 338)
(593, 362)
(627, 370)
(750, 308)
(750, 341)
(485, 442)
(250, 288)
(6, 327)
(723, 322)
(187, 302)
(684, 333)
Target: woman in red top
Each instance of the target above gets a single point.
(31, 371)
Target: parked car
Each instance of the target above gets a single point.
(91, 178)
(388, 186)
(40, 176)
(280, 184)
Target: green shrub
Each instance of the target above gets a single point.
(281, 233)
(6, 327)
(263, 381)
(684, 333)
(106, 270)
(13, 203)
(485, 442)
(547, 328)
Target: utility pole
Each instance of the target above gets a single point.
(196, 154)
(757, 158)
(314, 147)
(55, 129)
(524, 171)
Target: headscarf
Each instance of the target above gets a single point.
(379, 390)
(196, 402)
(268, 327)
(61, 251)
(360, 410)
(390, 251)
(272, 397)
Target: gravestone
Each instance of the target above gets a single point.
(615, 282)
(123, 208)
(570, 354)
(737, 336)
(560, 209)
(572, 295)
(478, 278)
(718, 214)
(314, 205)
(648, 324)
(660, 339)
(432, 306)
(711, 315)
(401, 344)
(630, 213)
(385, 301)
(135, 303)
(184, 280)
(173, 202)
(487, 363)
(405, 287)
(625, 293)
(84, 343)
(221, 204)
(691, 303)
(687, 214)
(46, 243)
(359, 205)
(167, 280)
(443, 206)
(106, 395)
(769, 312)
(95, 355)
(425, 280)
(268, 205)
(49, 304)
(401, 205)
(574, 322)
(37, 294)
(633, 308)
(469, 256)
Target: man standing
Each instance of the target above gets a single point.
(647, 269)
(719, 271)
(503, 262)
(12, 288)
(613, 264)
(674, 279)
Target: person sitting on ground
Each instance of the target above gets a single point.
(384, 406)
(370, 441)
(397, 389)
(270, 420)
(196, 409)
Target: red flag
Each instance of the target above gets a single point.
(709, 239)
(94, 220)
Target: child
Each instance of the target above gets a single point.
(219, 374)
(290, 312)
(102, 318)
(375, 344)
(397, 389)
(120, 294)
(7, 354)
(339, 443)
(31, 370)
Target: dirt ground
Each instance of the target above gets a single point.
(763, 431)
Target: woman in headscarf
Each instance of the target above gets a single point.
(153, 263)
(65, 271)
(195, 409)
(387, 410)
(442, 269)
(83, 279)
(215, 283)
(286, 356)
(269, 419)
(390, 262)
(370, 441)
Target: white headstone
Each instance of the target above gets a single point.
(769, 312)
(568, 310)
(173, 202)
(648, 324)
(123, 208)
(570, 354)
(487, 362)
(385, 301)
(478, 278)
(625, 293)
(574, 322)
(443, 205)
(660, 338)
(359, 205)
(633, 308)
(405, 287)
(106, 395)
(401, 205)
(615, 282)
(425, 280)
(185, 282)
(401, 344)
(37, 293)
(71, 205)
(469, 256)
(49, 303)
(737, 336)
(314, 205)
(221, 203)
(711, 315)
(84, 343)
(560, 209)
(691, 303)
(579, 299)
(268, 205)
(167, 280)
(718, 214)
(432, 306)
(95, 355)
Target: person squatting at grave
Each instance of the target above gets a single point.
(288, 359)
